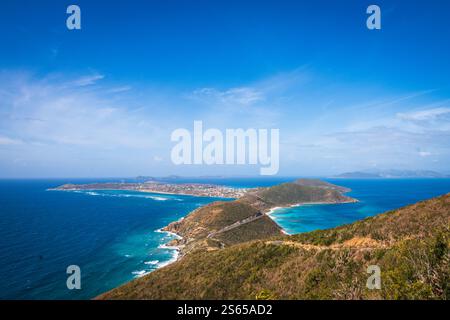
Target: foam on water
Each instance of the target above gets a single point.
(135, 194)
(108, 233)
(140, 273)
(115, 236)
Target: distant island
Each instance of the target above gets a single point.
(392, 174)
(153, 186)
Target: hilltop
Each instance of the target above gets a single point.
(222, 224)
(410, 245)
(321, 184)
(303, 191)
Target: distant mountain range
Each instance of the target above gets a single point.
(393, 174)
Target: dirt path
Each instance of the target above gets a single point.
(362, 243)
(237, 224)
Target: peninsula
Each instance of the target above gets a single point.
(233, 250)
(192, 189)
(410, 246)
(225, 223)
(222, 224)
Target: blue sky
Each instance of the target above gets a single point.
(102, 101)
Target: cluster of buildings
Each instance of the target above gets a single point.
(195, 189)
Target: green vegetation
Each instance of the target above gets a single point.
(320, 184)
(293, 193)
(418, 220)
(211, 218)
(229, 223)
(419, 269)
(411, 246)
(259, 229)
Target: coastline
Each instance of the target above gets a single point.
(274, 209)
(177, 249)
(133, 190)
(195, 190)
(176, 243)
(393, 192)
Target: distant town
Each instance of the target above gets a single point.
(194, 189)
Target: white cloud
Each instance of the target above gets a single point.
(241, 96)
(322, 125)
(120, 89)
(424, 153)
(9, 141)
(88, 80)
(425, 115)
(44, 112)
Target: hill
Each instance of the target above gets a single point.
(300, 192)
(221, 224)
(410, 245)
(320, 184)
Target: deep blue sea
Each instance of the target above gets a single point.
(112, 235)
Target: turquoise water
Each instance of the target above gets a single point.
(374, 195)
(112, 235)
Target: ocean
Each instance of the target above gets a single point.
(375, 196)
(113, 235)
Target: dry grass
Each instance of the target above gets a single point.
(411, 246)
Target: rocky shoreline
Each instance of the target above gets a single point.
(188, 236)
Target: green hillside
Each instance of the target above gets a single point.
(319, 183)
(227, 223)
(211, 222)
(410, 245)
(293, 193)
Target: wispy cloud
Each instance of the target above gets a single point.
(242, 96)
(119, 127)
(424, 153)
(425, 115)
(87, 80)
(47, 112)
(8, 141)
(119, 89)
